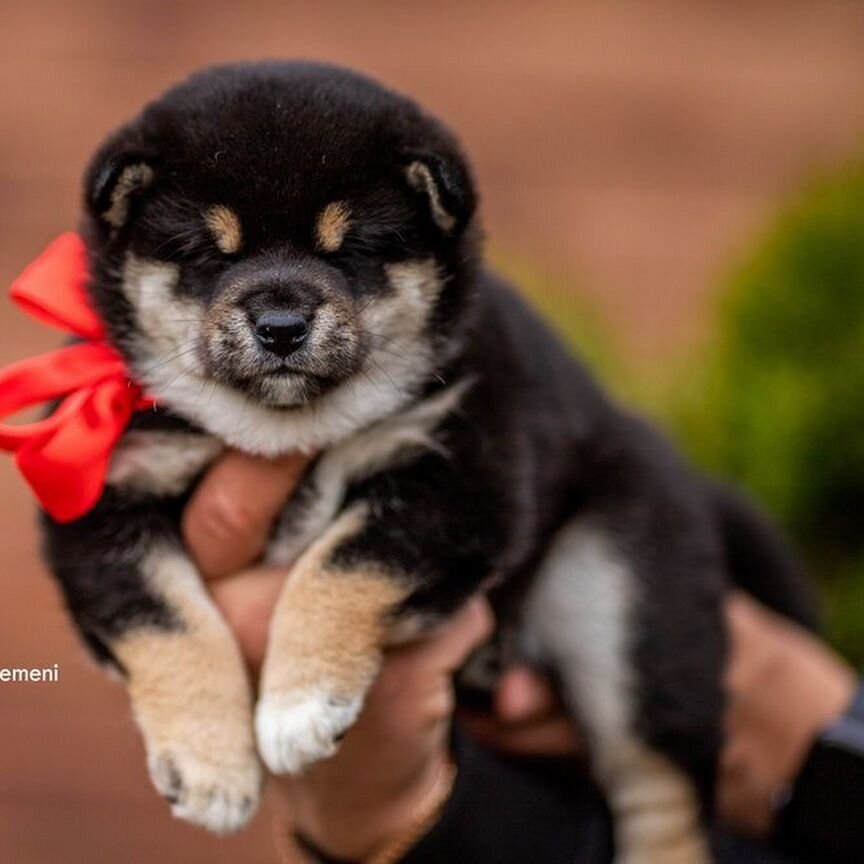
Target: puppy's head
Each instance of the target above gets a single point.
(281, 238)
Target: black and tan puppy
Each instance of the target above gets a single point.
(287, 256)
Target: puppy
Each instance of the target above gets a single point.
(287, 256)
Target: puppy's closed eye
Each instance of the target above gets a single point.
(224, 224)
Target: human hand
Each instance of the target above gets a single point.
(784, 686)
(390, 765)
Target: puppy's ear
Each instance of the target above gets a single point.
(446, 186)
(117, 178)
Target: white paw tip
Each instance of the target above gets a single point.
(295, 731)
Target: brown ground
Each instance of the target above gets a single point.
(633, 144)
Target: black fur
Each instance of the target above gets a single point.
(533, 444)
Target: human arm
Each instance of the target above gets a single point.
(785, 688)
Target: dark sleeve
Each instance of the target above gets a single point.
(543, 812)
(823, 821)
(504, 811)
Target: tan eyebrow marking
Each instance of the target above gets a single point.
(225, 227)
(333, 224)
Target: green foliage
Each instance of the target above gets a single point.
(843, 611)
(778, 403)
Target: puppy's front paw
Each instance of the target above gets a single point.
(216, 790)
(295, 730)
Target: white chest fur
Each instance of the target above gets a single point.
(161, 463)
(166, 463)
(381, 445)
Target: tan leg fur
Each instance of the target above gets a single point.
(324, 651)
(191, 699)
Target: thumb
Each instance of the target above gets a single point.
(445, 650)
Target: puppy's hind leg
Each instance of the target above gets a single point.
(150, 616)
(578, 619)
(192, 701)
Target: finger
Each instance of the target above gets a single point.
(446, 649)
(472, 625)
(553, 737)
(228, 520)
(523, 695)
(246, 600)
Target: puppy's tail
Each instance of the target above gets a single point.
(759, 559)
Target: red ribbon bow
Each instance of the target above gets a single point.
(65, 457)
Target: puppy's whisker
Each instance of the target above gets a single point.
(186, 343)
(201, 386)
(205, 391)
(389, 340)
(177, 378)
(384, 371)
(361, 310)
(163, 361)
(399, 355)
(181, 351)
(369, 378)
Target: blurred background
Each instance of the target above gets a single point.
(678, 184)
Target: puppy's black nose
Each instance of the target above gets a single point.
(281, 331)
